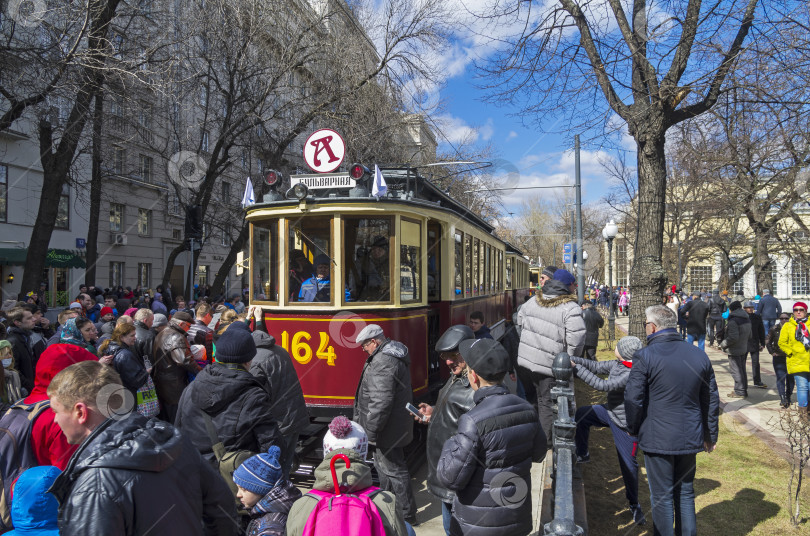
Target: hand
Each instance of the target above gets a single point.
(426, 410)
(513, 376)
(44, 322)
(106, 360)
(709, 447)
(573, 364)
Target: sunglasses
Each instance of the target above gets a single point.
(799, 309)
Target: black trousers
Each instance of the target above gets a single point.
(738, 372)
(713, 325)
(394, 477)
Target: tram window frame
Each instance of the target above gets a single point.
(508, 273)
(418, 290)
(348, 282)
(310, 254)
(434, 232)
(500, 270)
(482, 268)
(476, 249)
(468, 280)
(458, 252)
(272, 228)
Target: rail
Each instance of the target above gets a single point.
(564, 452)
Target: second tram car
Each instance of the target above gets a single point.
(327, 258)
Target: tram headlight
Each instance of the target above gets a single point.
(300, 191)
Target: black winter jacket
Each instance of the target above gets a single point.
(757, 338)
(696, 321)
(145, 341)
(136, 476)
(618, 374)
(671, 398)
(772, 341)
(23, 350)
(717, 306)
(383, 391)
(239, 407)
(173, 361)
(455, 399)
(129, 366)
(274, 369)
(593, 322)
(738, 331)
(500, 436)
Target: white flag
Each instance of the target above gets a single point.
(380, 187)
(249, 198)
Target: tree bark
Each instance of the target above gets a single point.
(95, 190)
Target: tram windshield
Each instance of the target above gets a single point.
(368, 258)
(265, 261)
(310, 260)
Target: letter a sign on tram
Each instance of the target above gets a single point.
(324, 151)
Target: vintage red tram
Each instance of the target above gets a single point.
(328, 258)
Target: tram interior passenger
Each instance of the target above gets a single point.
(369, 276)
(318, 287)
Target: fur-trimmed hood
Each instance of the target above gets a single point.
(553, 294)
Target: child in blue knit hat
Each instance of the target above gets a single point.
(265, 493)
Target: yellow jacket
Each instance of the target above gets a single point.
(798, 357)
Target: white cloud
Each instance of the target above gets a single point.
(487, 130)
(512, 135)
(455, 130)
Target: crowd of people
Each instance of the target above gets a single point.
(173, 417)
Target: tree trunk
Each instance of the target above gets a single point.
(762, 262)
(237, 246)
(648, 278)
(95, 190)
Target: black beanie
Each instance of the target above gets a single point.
(733, 306)
(235, 346)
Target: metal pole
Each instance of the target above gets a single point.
(611, 318)
(571, 264)
(578, 189)
(191, 270)
(679, 266)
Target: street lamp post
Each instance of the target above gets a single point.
(609, 233)
(678, 243)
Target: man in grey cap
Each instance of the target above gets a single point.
(159, 322)
(379, 407)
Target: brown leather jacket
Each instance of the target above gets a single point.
(173, 362)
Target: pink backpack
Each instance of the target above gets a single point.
(344, 513)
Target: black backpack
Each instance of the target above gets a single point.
(16, 451)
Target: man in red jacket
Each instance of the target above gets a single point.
(49, 443)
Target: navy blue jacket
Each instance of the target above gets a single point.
(769, 307)
(488, 464)
(671, 399)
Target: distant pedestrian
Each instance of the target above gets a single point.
(736, 338)
(784, 381)
(756, 343)
(593, 323)
(672, 405)
(478, 324)
(696, 313)
(717, 306)
(34, 510)
(769, 309)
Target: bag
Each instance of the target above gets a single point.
(344, 513)
(16, 451)
(227, 462)
(147, 399)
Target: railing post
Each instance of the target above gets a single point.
(564, 451)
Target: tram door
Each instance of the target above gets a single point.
(434, 280)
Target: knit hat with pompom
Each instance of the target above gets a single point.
(345, 434)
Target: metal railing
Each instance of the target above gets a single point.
(564, 452)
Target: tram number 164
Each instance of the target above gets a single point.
(301, 351)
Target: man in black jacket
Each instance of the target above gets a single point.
(593, 323)
(696, 312)
(671, 404)
(144, 334)
(756, 343)
(20, 324)
(455, 399)
(488, 462)
(130, 476)
(738, 331)
(717, 306)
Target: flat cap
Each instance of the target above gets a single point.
(485, 356)
(372, 331)
(748, 303)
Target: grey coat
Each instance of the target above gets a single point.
(549, 324)
(383, 391)
(274, 369)
(618, 374)
(738, 331)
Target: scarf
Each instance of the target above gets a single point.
(71, 334)
(802, 334)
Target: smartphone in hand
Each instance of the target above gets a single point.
(413, 409)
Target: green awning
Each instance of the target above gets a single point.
(64, 258)
(13, 256)
(56, 258)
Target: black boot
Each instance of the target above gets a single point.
(784, 402)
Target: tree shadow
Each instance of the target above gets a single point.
(738, 515)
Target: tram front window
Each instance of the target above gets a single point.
(310, 260)
(265, 253)
(410, 256)
(367, 259)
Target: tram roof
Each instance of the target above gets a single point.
(401, 182)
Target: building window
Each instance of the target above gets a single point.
(118, 160)
(173, 203)
(144, 274)
(774, 278)
(226, 193)
(204, 143)
(63, 213)
(116, 218)
(700, 277)
(144, 222)
(621, 263)
(202, 275)
(737, 288)
(176, 235)
(799, 278)
(3, 193)
(145, 122)
(116, 274)
(226, 235)
(145, 168)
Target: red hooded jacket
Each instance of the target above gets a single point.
(50, 445)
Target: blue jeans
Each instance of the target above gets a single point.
(768, 323)
(784, 381)
(802, 379)
(409, 529)
(672, 494)
(447, 515)
(701, 340)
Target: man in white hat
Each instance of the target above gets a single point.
(379, 407)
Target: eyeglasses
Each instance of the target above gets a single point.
(799, 309)
(366, 343)
(648, 323)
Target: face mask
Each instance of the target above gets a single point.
(7, 363)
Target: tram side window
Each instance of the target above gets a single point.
(509, 273)
(434, 280)
(410, 257)
(459, 261)
(469, 284)
(265, 261)
(476, 272)
(310, 260)
(500, 270)
(482, 278)
(367, 258)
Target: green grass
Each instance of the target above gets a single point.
(740, 488)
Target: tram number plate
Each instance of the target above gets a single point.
(300, 349)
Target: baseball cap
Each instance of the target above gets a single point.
(487, 357)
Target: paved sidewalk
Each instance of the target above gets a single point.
(757, 414)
